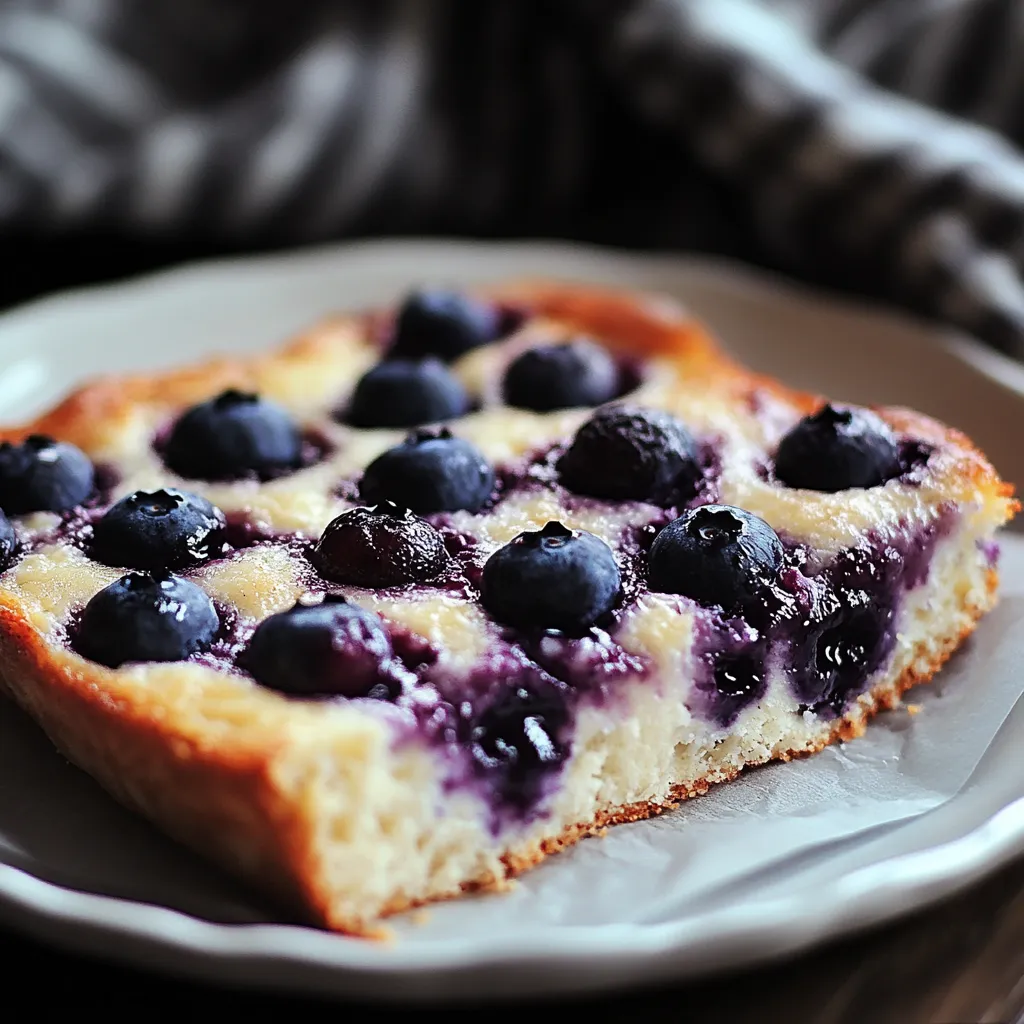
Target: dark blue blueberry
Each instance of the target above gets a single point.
(553, 578)
(631, 454)
(165, 529)
(839, 651)
(716, 555)
(234, 435)
(430, 471)
(836, 449)
(382, 546)
(146, 617)
(8, 542)
(519, 741)
(43, 475)
(561, 376)
(407, 393)
(329, 649)
(849, 631)
(738, 680)
(444, 324)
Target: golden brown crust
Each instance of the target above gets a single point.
(222, 796)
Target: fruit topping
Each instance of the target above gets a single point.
(445, 324)
(716, 555)
(236, 434)
(407, 393)
(562, 376)
(430, 471)
(624, 453)
(554, 578)
(318, 650)
(380, 546)
(43, 475)
(165, 529)
(837, 449)
(146, 617)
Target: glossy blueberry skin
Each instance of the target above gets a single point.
(43, 475)
(442, 323)
(625, 453)
(840, 651)
(8, 542)
(380, 546)
(716, 555)
(329, 649)
(563, 376)
(236, 434)
(554, 578)
(430, 471)
(522, 739)
(837, 449)
(146, 617)
(407, 393)
(737, 682)
(164, 529)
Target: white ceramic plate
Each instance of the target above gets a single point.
(77, 870)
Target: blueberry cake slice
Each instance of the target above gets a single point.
(426, 595)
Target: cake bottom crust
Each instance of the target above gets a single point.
(928, 656)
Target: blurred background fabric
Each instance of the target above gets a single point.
(870, 145)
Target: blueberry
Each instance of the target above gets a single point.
(630, 454)
(165, 529)
(561, 376)
(520, 740)
(738, 681)
(444, 324)
(553, 578)
(382, 546)
(234, 435)
(716, 555)
(407, 393)
(8, 542)
(836, 449)
(43, 475)
(839, 651)
(430, 471)
(147, 617)
(329, 649)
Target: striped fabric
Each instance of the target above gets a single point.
(869, 142)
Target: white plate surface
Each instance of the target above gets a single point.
(77, 870)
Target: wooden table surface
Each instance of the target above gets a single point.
(956, 962)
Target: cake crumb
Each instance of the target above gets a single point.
(912, 709)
